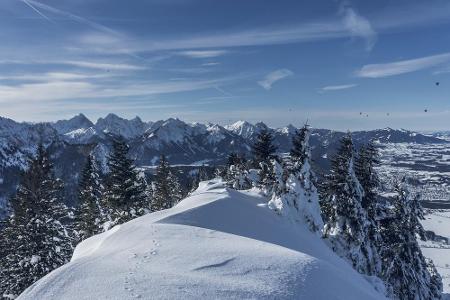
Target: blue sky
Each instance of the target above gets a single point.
(338, 64)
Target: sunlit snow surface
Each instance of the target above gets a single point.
(438, 221)
(216, 244)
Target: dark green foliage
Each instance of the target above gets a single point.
(237, 172)
(263, 151)
(404, 268)
(89, 215)
(299, 152)
(345, 219)
(365, 164)
(167, 190)
(365, 168)
(126, 191)
(35, 239)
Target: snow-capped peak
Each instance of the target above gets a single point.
(290, 129)
(242, 128)
(119, 126)
(79, 121)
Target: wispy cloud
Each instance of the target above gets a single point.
(348, 24)
(358, 26)
(53, 76)
(337, 87)
(63, 90)
(252, 37)
(203, 53)
(273, 77)
(210, 64)
(80, 63)
(403, 66)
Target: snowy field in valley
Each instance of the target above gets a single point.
(438, 221)
(427, 166)
(216, 244)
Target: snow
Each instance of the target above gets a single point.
(216, 244)
(242, 128)
(119, 126)
(438, 221)
(35, 259)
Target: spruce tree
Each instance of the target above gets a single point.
(263, 151)
(404, 268)
(308, 196)
(295, 194)
(89, 217)
(125, 193)
(237, 173)
(346, 221)
(300, 151)
(167, 190)
(365, 168)
(264, 148)
(37, 238)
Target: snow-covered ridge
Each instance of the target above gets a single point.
(216, 244)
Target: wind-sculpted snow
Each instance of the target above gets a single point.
(216, 244)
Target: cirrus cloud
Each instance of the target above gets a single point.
(273, 77)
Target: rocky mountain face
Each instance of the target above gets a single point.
(70, 141)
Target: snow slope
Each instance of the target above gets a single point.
(216, 244)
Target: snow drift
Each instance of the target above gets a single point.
(217, 243)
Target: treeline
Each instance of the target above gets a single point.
(42, 232)
(377, 236)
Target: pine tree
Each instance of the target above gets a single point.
(365, 164)
(263, 153)
(300, 151)
(346, 221)
(89, 217)
(167, 190)
(263, 149)
(36, 235)
(237, 173)
(125, 193)
(404, 268)
(295, 193)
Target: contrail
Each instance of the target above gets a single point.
(223, 91)
(35, 4)
(37, 11)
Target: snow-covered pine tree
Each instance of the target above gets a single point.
(346, 222)
(263, 151)
(294, 193)
(404, 268)
(37, 237)
(167, 190)
(89, 216)
(365, 163)
(125, 193)
(308, 196)
(300, 151)
(237, 173)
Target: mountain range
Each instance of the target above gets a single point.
(70, 141)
